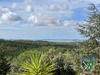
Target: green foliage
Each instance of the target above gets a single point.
(18, 51)
(64, 62)
(67, 56)
(23, 57)
(13, 48)
(4, 66)
(37, 65)
(91, 28)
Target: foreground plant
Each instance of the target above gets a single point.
(37, 65)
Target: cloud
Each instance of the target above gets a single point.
(4, 10)
(10, 16)
(60, 7)
(27, 1)
(0, 22)
(69, 23)
(44, 20)
(29, 8)
(53, 7)
(65, 7)
(14, 5)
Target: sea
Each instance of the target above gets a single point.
(62, 40)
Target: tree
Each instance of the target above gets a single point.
(64, 62)
(4, 66)
(91, 27)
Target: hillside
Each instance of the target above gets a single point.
(15, 47)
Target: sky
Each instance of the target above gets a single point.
(42, 19)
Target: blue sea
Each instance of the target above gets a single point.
(61, 40)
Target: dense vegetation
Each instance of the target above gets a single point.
(14, 48)
(18, 51)
(67, 56)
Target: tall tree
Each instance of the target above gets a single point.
(91, 27)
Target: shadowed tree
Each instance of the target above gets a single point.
(4, 66)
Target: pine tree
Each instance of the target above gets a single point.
(91, 27)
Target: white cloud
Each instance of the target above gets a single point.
(27, 1)
(39, 14)
(62, 9)
(14, 5)
(44, 20)
(4, 10)
(65, 7)
(69, 23)
(29, 8)
(0, 22)
(10, 16)
(53, 7)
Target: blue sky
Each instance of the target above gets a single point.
(42, 19)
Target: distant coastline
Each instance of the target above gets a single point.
(51, 40)
(61, 40)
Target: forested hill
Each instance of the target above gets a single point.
(13, 48)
